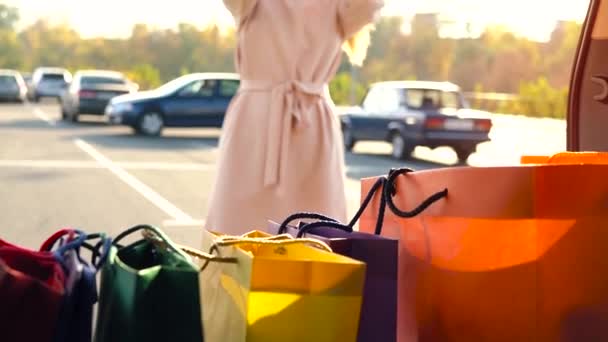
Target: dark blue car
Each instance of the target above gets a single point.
(415, 113)
(195, 100)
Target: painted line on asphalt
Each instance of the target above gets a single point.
(78, 164)
(148, 193)
(50, 164)
(156, 166)
(44, 117)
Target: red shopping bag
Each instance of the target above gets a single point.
(31, 294)
(499, 254)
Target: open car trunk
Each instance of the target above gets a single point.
(588, 103)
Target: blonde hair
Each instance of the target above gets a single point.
(356, 46)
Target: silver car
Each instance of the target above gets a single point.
(12, 86)
(49, 82)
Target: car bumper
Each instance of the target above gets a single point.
(450, 138)
(11, 97)
(48, 93)
(96, 107)
(120, 117)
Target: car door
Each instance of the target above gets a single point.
(391, 109)
(193, 105)
(363, 124)
(588, 102)
(226, 91)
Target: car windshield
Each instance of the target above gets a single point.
(7, 80)
(432, 99)
(173, 86)
(53, 77)
(95, 80)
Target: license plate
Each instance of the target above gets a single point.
(459, 125)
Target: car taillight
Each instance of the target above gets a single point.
(86, 94)
(434, 123)
(483, 124)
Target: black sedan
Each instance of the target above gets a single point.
(91, 91)
(195, 100)
(415, 113)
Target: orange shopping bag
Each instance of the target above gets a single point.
(600, 158)
(499, 254)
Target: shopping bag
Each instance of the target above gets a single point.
(600, 158)
(149, 292)
(279, 289)
(499, 254)
(379, 309)
(31, 294)
(76, 316)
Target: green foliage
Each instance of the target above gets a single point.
(146, 75)
(341, 89)
(497, 62)
(539, 98)
(9, 16)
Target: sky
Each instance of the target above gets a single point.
(534, 19)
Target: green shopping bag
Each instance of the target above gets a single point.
(149, 292)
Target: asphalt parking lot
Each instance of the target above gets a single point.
(104, 178)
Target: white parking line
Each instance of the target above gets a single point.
(50, 164)
(177, 215)
(78, 164)
(44, 117)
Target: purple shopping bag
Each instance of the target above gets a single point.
(379, 309)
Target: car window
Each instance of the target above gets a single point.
(390, 100)
(54, 77)
(373, 100)
(199, 88)
(94, 80)
(228, 88)
(431, 99)
(7, 81)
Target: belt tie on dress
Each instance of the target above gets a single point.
(290, 107)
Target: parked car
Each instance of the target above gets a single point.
(415, 113)
(12, 86)
(91, 91)
(49, 82)
(195, 100)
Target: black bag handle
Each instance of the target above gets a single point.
(325, 224)
(303, 215)
(390, 191)
(155, 233)
(325, 221)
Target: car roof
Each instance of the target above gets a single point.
(49, 70)
(6, 72)
(100, 73)
(214, 75)
(442, 86)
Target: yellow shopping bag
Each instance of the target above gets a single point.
(278, 289)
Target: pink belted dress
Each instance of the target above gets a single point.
(281, 149)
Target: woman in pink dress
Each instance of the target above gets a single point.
(281, 149)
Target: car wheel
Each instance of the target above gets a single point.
(349, 140)
(150, 124)
(74, 116)
(401, 149)
(463, 154)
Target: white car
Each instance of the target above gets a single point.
(49, 82)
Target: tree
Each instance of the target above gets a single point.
(9, 16)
